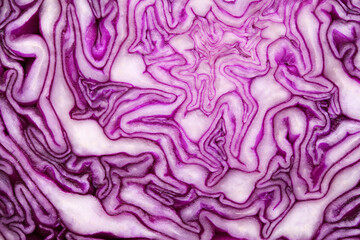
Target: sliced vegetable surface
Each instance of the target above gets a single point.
(179, 119)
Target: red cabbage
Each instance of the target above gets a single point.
(187, 119)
